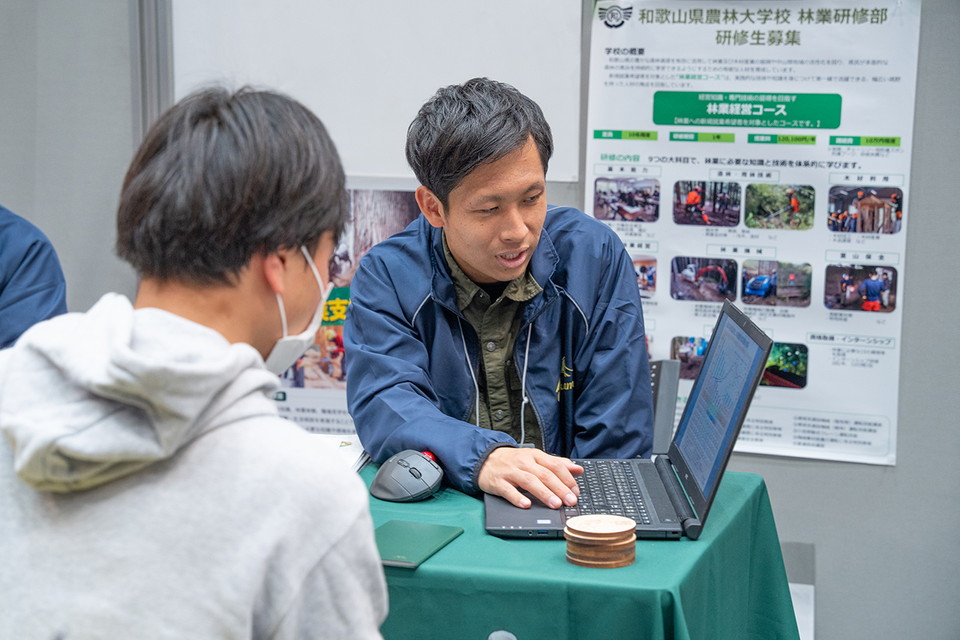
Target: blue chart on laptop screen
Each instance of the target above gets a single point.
(717, 399)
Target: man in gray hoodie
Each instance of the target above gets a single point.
(148, 488)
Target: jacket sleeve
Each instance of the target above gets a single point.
(390, 393)
(32, 289)
(614, 408)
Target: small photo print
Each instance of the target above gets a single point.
(860, 288)
(703, 279)
(706, 203)
(854, 209)
(690, 352)
(779, 206)
(773, 283)
(786, 366)
(627, 199)
(646, 268)
(322, 366)
(375, 215)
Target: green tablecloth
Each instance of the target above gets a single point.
(728, 584)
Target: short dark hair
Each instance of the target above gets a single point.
(464, 126)
(223, 176)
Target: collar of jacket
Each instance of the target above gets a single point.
(542, 266)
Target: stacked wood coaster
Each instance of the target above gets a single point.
(601, 541)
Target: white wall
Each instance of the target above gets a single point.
(66, 132)
(18, 69)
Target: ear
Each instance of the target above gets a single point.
(274, 266)
(430, 206)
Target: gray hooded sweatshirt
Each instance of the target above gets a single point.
(148, 489)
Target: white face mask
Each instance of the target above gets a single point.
(288, 348)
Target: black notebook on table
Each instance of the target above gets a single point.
(671, 495)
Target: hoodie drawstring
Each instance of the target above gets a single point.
(473, 376)
(523, 386)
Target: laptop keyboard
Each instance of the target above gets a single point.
(609, 487)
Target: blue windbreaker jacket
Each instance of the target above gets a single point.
(410, 352)
(32, 287)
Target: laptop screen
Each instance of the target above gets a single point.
(718, 402)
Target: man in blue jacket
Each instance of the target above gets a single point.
(494, 322)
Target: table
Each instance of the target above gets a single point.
(730, 583)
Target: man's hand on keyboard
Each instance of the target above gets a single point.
(548, 478)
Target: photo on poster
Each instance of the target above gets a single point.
(786, 366)
(779, 206)
(706, 203)
(322, 364)
(646, 268)
(774, 283)
(703, 279)
(628, 199)
(374, 216)
(858, 287)
(689, 351)
(859, 209)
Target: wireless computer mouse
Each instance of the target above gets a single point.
(407, 476)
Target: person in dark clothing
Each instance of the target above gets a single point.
(32, 287)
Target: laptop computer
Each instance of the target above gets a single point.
(669, 496)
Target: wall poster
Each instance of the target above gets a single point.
(759, 152)
(313, 390)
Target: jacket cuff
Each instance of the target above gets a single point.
(475, 474)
